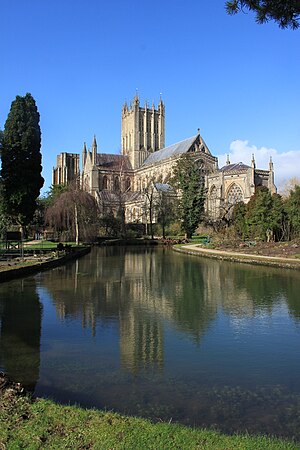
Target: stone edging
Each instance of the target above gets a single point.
(193, 249)
(17, 272)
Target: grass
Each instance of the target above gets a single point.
(42, 424)
(46, 245)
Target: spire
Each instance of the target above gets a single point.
(227, 160)
(94, 151)
(94, 142)
(160, 104)
(84, 153)
(271, 184)
(253, 161)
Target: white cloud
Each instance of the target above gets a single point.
(286, 164)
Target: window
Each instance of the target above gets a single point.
(104, 182)
(127, 184)
(234, 194)
(116, 184)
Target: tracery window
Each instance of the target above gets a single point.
(235, 194)
(213, 201)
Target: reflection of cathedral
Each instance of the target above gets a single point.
(141, 341)
(112, 178)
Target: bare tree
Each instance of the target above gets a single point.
(75, 212)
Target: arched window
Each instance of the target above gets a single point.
(127, 185)
(116, 184)
(234, 194)
(104, 182)
(212, 202)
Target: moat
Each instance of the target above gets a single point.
(155, 333)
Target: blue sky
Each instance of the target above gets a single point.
(235, 80)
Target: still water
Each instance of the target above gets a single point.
(155, 333)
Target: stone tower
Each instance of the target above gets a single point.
(67, 168)
(143, 130)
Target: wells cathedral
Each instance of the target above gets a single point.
(144, 159)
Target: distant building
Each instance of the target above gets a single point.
(67, 168)
(113, 179)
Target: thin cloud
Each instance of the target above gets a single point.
(286, 164)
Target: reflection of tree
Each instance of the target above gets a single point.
(143, 288)
(249, 289)
(20, 318)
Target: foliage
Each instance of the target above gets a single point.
(21, 160)
(165, 209)
(293, 212)
(54, 192)
(5, 220)
(1, 140)
(265, 215)
(289, 186)
(277, 217)
(189, 184)
(74, 212)
(284, 12)
(239, 219)
(174, 228)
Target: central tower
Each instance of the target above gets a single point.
(143, 130)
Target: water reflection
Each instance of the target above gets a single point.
(20, 319)
(146, 289)
(160, 334)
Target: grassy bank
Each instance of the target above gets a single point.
(19, 267)
(42, 424)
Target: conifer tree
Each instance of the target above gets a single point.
(189, 183)
(285, 12)
(21, 160)
(293, 211)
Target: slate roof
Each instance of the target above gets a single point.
(114, 162)
(238, 167)
(167, 152)
(113, 197)
(163, 187)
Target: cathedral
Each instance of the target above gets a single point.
(124, 179)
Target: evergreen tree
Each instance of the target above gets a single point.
(1, 139)
(259, 210)
(285, 12)
(239, 219)
(265, 215)
(21, 160)
(277, 217)
(293, 211)
(189, 183)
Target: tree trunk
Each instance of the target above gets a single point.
(76, 224)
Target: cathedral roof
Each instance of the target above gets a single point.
(167, 152)
(109, 197)
(163, 187)
(238, 167)
(114, 162)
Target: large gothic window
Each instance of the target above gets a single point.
(234, 194)
(212, 199)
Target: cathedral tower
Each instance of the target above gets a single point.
(143, 130)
